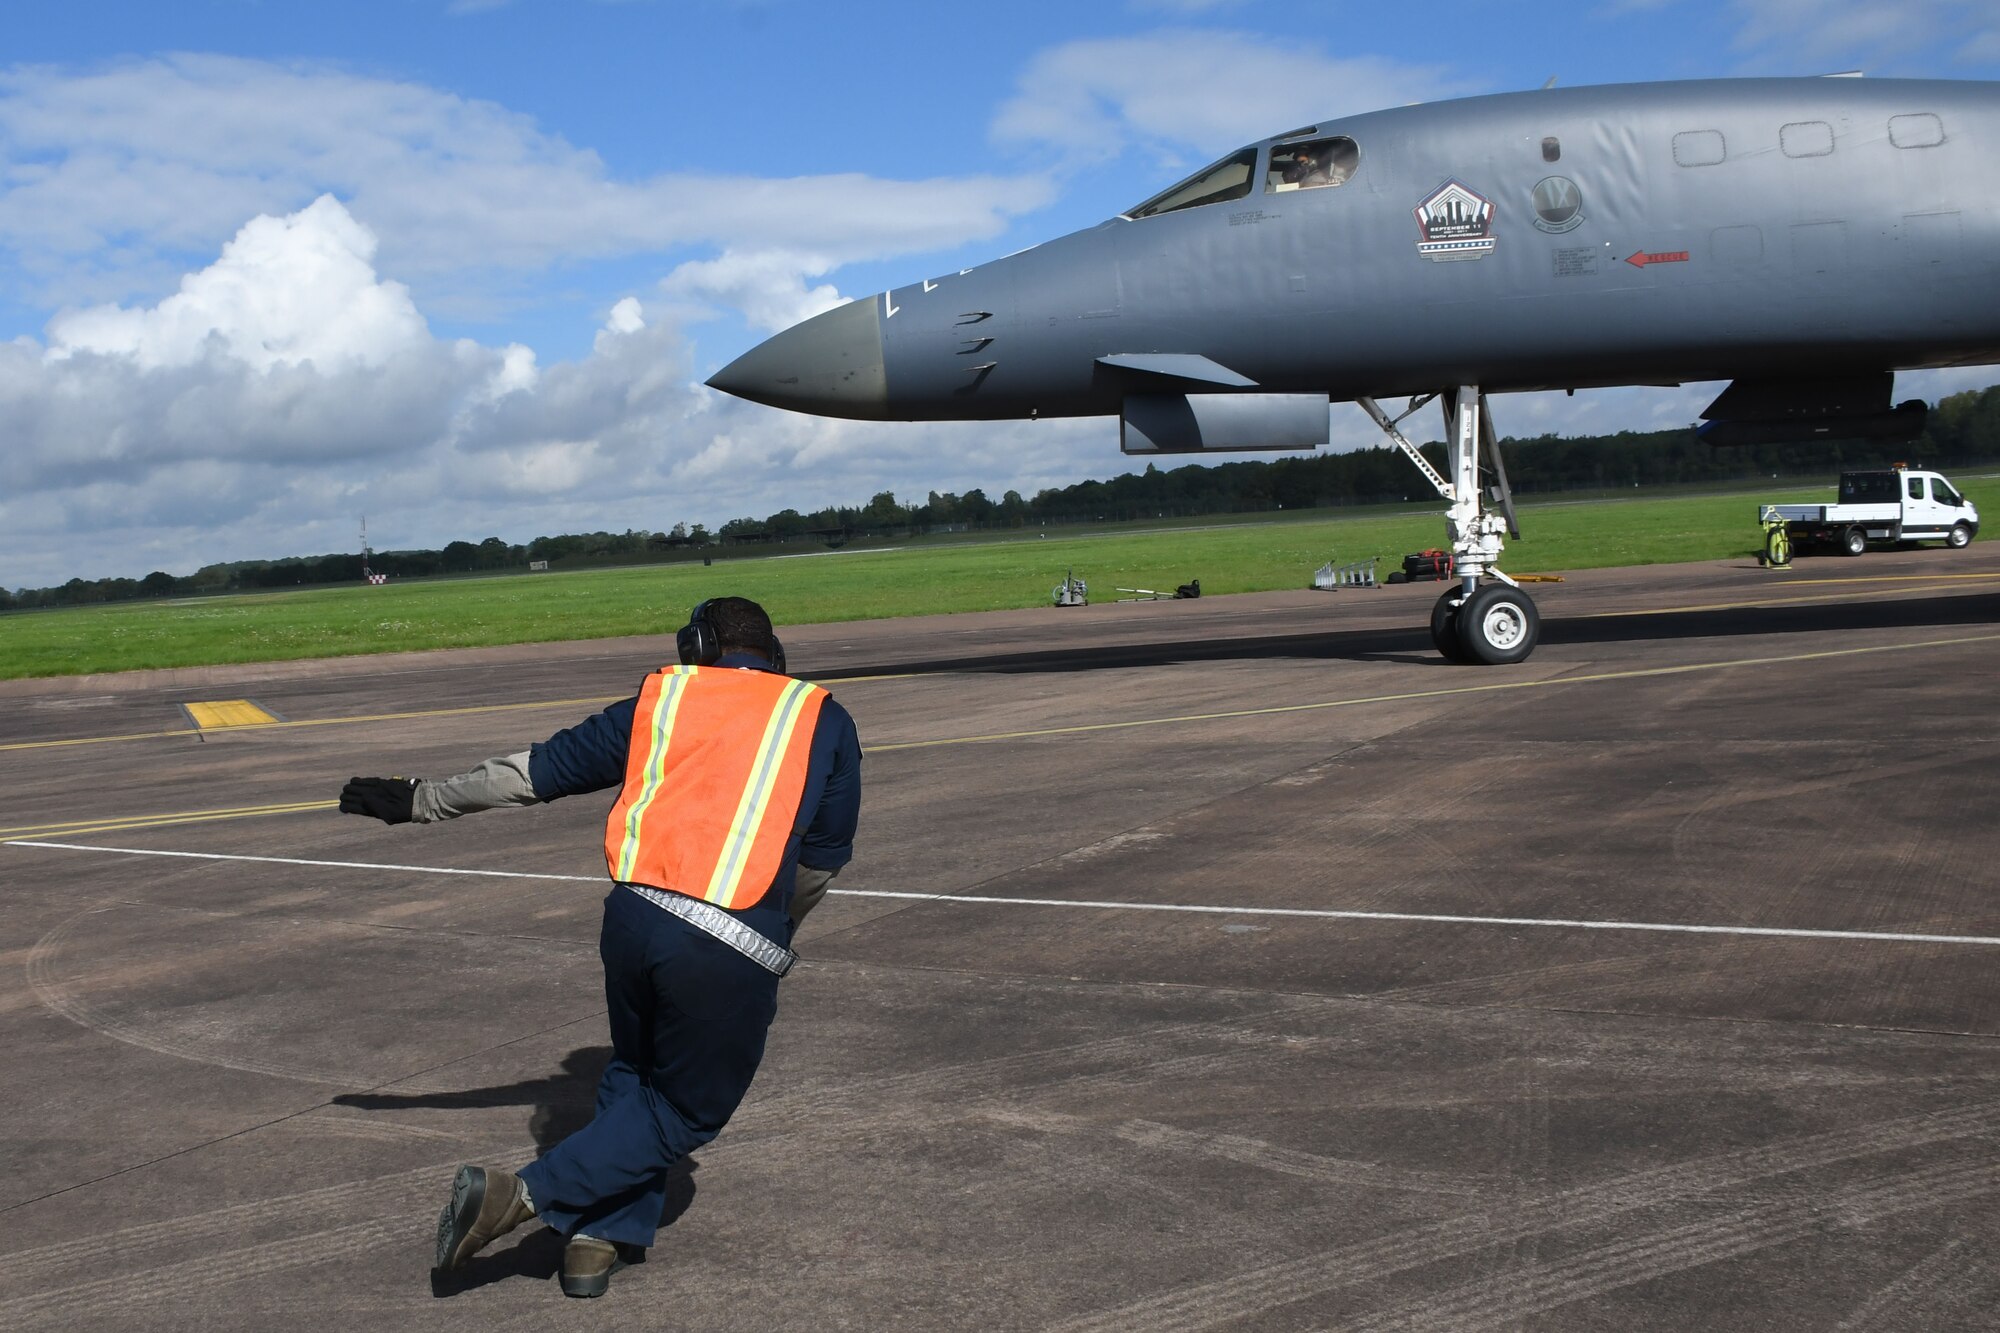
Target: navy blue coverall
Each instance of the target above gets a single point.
(688, 1013)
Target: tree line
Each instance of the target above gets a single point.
(1962, 429)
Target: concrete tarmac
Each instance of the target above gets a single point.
(1233, 963)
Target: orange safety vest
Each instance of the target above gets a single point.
(712, 782)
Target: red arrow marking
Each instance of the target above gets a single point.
(1642, 258)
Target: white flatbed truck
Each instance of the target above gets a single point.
(1879, 507)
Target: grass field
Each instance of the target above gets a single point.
(1017, 570)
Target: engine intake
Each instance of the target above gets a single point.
(1177, 423)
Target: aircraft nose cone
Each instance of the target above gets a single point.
(830, 365)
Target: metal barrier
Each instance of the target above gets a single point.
(1360, 574)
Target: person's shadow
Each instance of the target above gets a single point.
(563, 1103)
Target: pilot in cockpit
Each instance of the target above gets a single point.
(1308, 166)
(1306, 169)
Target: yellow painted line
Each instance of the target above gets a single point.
(326, 722)
(227, 713)
(225, 812)
(1761, 602)
(1987, 575)
(600, 702)
(127, 825)
(1495, 687)
(246, 812)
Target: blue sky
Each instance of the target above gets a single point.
(265, 267)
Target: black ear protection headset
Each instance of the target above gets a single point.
(697, 641)
(699, 645)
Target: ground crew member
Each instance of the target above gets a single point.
(739, 791)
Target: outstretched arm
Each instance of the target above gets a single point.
(498, 782)
(587, 757)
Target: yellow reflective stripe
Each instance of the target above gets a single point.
(757, 792)
(672, 690)
(750, 807)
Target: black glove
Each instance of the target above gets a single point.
(386, 799)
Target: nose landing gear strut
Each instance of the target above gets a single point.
(1493, 623)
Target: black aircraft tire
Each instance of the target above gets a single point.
(1959, 537)
(1444, 627)
(1498, 625)
(1853, 542)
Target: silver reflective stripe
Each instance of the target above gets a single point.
(712, 920)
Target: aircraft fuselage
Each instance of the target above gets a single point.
(1637, 234)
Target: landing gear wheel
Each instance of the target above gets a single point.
(1444, 627)
(1853, 541)
(1959, 537)
(1498, 625)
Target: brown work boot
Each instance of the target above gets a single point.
(588, 1264)
(485, 1205)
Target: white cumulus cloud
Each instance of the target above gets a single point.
(289, 387)
(209, 388)
(768, 286)
(285, 291)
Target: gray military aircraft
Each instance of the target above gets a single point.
(1802, 238)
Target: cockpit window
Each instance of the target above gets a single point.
(1226, 180)
(1311, 165)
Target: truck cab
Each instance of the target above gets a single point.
(1932, 506)
(1881, 506)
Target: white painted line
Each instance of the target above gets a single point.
(1442, 919)
(1311, 913)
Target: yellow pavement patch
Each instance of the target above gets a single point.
(227, 713)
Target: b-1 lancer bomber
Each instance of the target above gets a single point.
(1801, 238)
